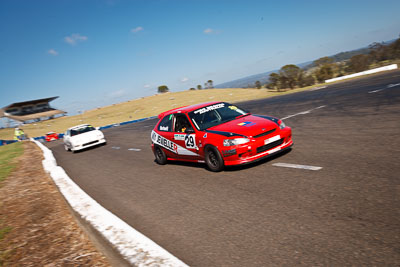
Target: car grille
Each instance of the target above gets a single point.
(269, 146)
(265, 133)
(93, 142)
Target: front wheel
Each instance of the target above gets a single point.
(66, 148)
(161, 158)
(213, 159)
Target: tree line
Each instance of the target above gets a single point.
(291, 76)
(207, 85)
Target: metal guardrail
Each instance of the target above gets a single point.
(61, 135)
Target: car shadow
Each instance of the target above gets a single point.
(230, 168)
(89, 148)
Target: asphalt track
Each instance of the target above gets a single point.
(346, 213)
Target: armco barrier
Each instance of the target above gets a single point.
(61, 135)
(133, 246)
(390, 67)
(6, 142)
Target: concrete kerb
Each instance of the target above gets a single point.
(133, 246)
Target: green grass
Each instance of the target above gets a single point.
(7, 155)
(4, 231)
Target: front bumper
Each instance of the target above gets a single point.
(76, 147)
(258, 149)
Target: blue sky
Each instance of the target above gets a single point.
(96, 53)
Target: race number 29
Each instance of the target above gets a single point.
(190, 141)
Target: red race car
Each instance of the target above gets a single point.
(50, 136)
(219, 134)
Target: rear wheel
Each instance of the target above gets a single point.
(213, 159)
(161, 158)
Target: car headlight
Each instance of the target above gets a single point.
(235, 142)
(282, 125)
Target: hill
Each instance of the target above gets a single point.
(263, 77)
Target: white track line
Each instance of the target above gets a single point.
(302, 113)
(393, 85)
(375, 91)
(388, 86)
(134, 149)
(297, 166)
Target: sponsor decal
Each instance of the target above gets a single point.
(179, 137)
(171, 146)
(228, 153)
(159, 140)
(233, 107)
(205, 135)
(274, 150)
(164, 128)
(247, 123)
(209, 108)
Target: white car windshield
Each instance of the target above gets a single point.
(81, 130)
(215, 114)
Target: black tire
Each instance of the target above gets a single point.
(161, 158)
(213, 159)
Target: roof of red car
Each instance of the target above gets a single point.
(186, 109)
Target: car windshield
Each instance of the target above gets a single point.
(82, 130)
(215, 114)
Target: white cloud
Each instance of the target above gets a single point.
(137, 29)
(52, 52)
(184, 79)
(146, 86)
(73, 39)
(211, 31)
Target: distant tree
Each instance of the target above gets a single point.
(358, 63)
(199, 87)
(191, 89)
(325, 72)
(210, 84)
(283, 82)
(257, 84)
(163, 89)
(274, 80)
(323, 61)
(395, 47)
(307, 80)
(291, 73)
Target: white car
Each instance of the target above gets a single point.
(82, 136)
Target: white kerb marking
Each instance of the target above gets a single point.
(134, 149)
(297, 166)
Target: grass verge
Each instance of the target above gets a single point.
(7, 155)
